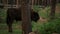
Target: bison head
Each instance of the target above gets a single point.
(34, 16)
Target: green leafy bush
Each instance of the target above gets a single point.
(2, 15)
(50, 27)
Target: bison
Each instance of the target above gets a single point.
(15, 14)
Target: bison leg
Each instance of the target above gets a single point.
(10, 27)
(9, 24)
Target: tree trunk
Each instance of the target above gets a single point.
(44, 2)
(53, 7)
(48, 2)
(26, 20)
(40, 2)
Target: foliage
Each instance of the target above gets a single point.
(3, 29)
(49, 27)
(3, 14)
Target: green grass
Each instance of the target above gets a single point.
(49, 27)
(4, 30)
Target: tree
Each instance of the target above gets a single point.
(58, 1)
(48, 2)
(53, 7)
(44, 2)
(26, 20)
(0, 1)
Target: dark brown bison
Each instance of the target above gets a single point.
(15, 14)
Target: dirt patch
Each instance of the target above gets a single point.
(43, 20)
(54, 33)
(31, 33)
(57, 9)
(18, 27)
